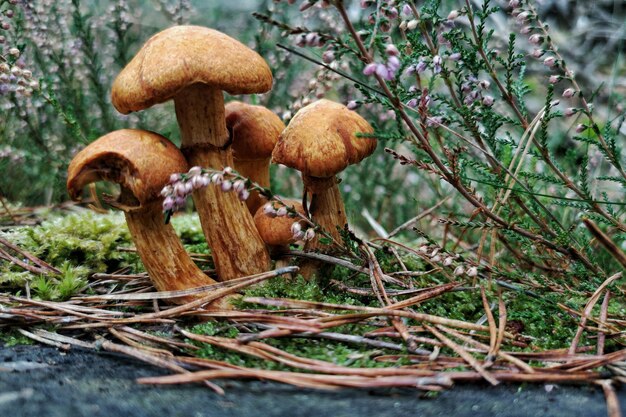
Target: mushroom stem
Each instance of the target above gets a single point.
(257, 170)
(161, 252)
(326, 208)
(237, 248)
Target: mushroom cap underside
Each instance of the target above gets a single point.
(138, 160)
(185, 55)
(321, 140)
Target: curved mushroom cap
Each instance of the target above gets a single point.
(183, 55)
(321, 140)
(139, 160)
(276, 231)
(254, 130)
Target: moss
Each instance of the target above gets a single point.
(13, 338)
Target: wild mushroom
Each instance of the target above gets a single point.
(141, 162)
(275, 226)
(320, 142)
(193, 65)
(254, 131)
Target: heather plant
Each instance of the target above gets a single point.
(520, 158)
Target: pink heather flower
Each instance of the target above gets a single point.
(188, 188)
(412, 103)
(555, 79)
(392, 50)
(459, 270)
(549, 61)
(193, 171)
(352, 104)
(309, 234)
(179, 202)
(570, 111)
(239, 186)
(269, 210)
(513, 4)
(538, 53)
(570, 92)
(196, 182)
(281, 212)
(296, 228)
(580, 128)
(523, 17)
(437, 64)
(421, 66)
(406, 10)
(14, 52)
(526, 30)
(227, 170)
(179, 189)
(484, 84)
(328, 57)
(227, 185)
(453, 15)
(217, 179)
(167, 190)
(472, 272)
(455, 56)
(168, 203)
(174, 178)
(535, 39)
(382, 71)
(448, 261)
(244, 194)
(488, 101)
(393, 64)
(412, 24)
(370, 69)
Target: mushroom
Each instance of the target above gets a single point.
(193, 65)
(254, 131)
(141, 162)
(277, 231)
(320, 142)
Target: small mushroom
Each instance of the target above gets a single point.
(141, 162)
(320, 142)
(254, 131)
(277, 231)
(193, 65)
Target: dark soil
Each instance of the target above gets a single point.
(43, 381)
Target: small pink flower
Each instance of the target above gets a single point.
(392, 50)
(570, 92)
(352, 104)
(370, 69)
(549, 61)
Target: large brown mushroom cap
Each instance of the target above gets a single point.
(276, 231)
(254, 130)
(184, 55)
(321, 140)
(140, 161)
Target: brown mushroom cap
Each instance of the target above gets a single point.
(184, 55)
(276, 231)
(254, 130)
(139, 160)
(321, 140)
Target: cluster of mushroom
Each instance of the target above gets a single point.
(194, 66)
